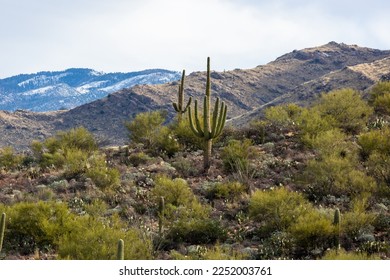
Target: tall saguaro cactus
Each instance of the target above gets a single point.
(212, 125)
(179, 108)
(2, 229)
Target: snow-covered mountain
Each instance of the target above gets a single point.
(49, 91)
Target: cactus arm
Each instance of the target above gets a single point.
(221, 120)
(192, 126)
(197, 121)
(215, 120)
(176, 107)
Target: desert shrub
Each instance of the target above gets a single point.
(282, 115)
(196, 231)
(226, 190)
(375, 141)
(138, 158)
(103, 176)
(186, 138)
(9, 159)
(32, 226)
(74, 162)
(277, 209)
(185, 167)
(336, 176)
(90, 239)
(180, 202)
(148, 129)
(358, 220)
(276, 247)
(341, 254)
(175, 192)
(311, 123)
(312, 230)
(380, 97)
(346, 107)
(236, 155)
(332, 142)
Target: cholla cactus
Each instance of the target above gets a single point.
(212, 127)
(179, 108)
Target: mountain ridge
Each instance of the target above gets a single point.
(67, 89)
(298, 77)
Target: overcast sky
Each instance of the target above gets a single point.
(131, 35)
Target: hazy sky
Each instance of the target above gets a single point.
(131, 35)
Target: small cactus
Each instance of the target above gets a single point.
(336, 223)
(179, 108)
(2, 229)
(121, 250)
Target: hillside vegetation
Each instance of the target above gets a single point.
(300, 183)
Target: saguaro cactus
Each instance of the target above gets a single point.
(2, 229)
(212, 127)
(336, 223)
(179, 108)
(121, 250)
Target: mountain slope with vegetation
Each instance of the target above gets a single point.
(299, 182)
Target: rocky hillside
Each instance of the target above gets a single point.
(299, 76)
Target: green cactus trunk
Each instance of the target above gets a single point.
(336, 223)
(121, 250)
(2, 230)
(212, 126)
(179, 107)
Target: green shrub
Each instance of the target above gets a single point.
(277, 209)
(34, 226)
(332, 142)
(186, 138)
(375, 141)
(9, 159)
(175, 192)
(358, 220)
(236, 155)
(180, 202)
(312, 230)
(282, 115)
(196, 231)
(347, 108)
(138, 158)
(93, 240)
(227, 190)
(104, 177)
(334, 175)
(148, 129)
(311, 123)
(380, 97)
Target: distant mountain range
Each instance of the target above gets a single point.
(299, 77)
(50, 91)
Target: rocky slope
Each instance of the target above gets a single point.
(299, 76)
